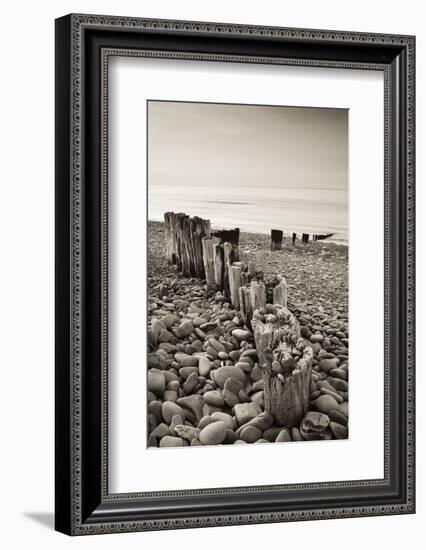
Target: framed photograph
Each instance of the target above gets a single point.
(234, 205)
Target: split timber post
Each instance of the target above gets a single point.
(305, 237)
(257, 295)
(276, 239)
(183, 242)
(231, 236)
(208, 258)
(234, 272)
(286, 361)
(280, 293)
(227, 252)
(219, 266)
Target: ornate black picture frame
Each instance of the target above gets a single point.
(83, 45)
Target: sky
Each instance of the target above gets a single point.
(230, 151)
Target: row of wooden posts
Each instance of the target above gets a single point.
(197, 251)
(277, 238)
(286, 359)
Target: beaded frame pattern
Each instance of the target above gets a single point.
(79, 22)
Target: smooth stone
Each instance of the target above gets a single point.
(176, 420)
(230, 398)
(338, 417)
(339, 431)
(325, 404)
(221, 375)
(231, 436)
(204, 366)
(296, 435)
(152, 441)
(271, 433)
(151, 396)
(244, 412)
(173, 385)
(262, 421)
(168, 348)
(190, 361)
(339, 373)
(316, 338)
(315, 422)
(156, 382)
(187, 432)
(171, 441)
(205, 421)
(224, 417)
(166, 337)
(256, 374)
(152, 422)
(161, 430)
(191, 383)
(213, 434)
(155, 407)
(259, 385)
(218, 346)
(283, 436)
(194, 403)
(170, 395)
(180, 356)
(336, 396)
(185, 372)
(250, 434)
(234, 386)
(251, 352)
(326, 365)
(156, 327)
(338, 384)
(344, 408)
(214, 398)
(241, 334)
(185, 329)
(169, 409)
(258, 397)
(170, 376)
(234, 355)
(210, 409)
(170, 319)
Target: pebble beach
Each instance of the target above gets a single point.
(205, 385)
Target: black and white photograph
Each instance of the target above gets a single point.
(247, 267)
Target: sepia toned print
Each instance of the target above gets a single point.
(247, 274)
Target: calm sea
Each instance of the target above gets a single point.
(257, 211)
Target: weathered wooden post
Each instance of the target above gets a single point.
(227, 252)
(234, 284)
(231, 236)
(286, 361)
(293, 240)
(257, 295)
(208, 258)
(219, 265)
(279, 292)
(305, 237)
(245, 303)
(276, 239)
(199, 228)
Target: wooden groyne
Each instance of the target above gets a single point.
(284, 356)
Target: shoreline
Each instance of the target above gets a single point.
(267, 232)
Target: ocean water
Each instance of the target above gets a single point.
(255, 210)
